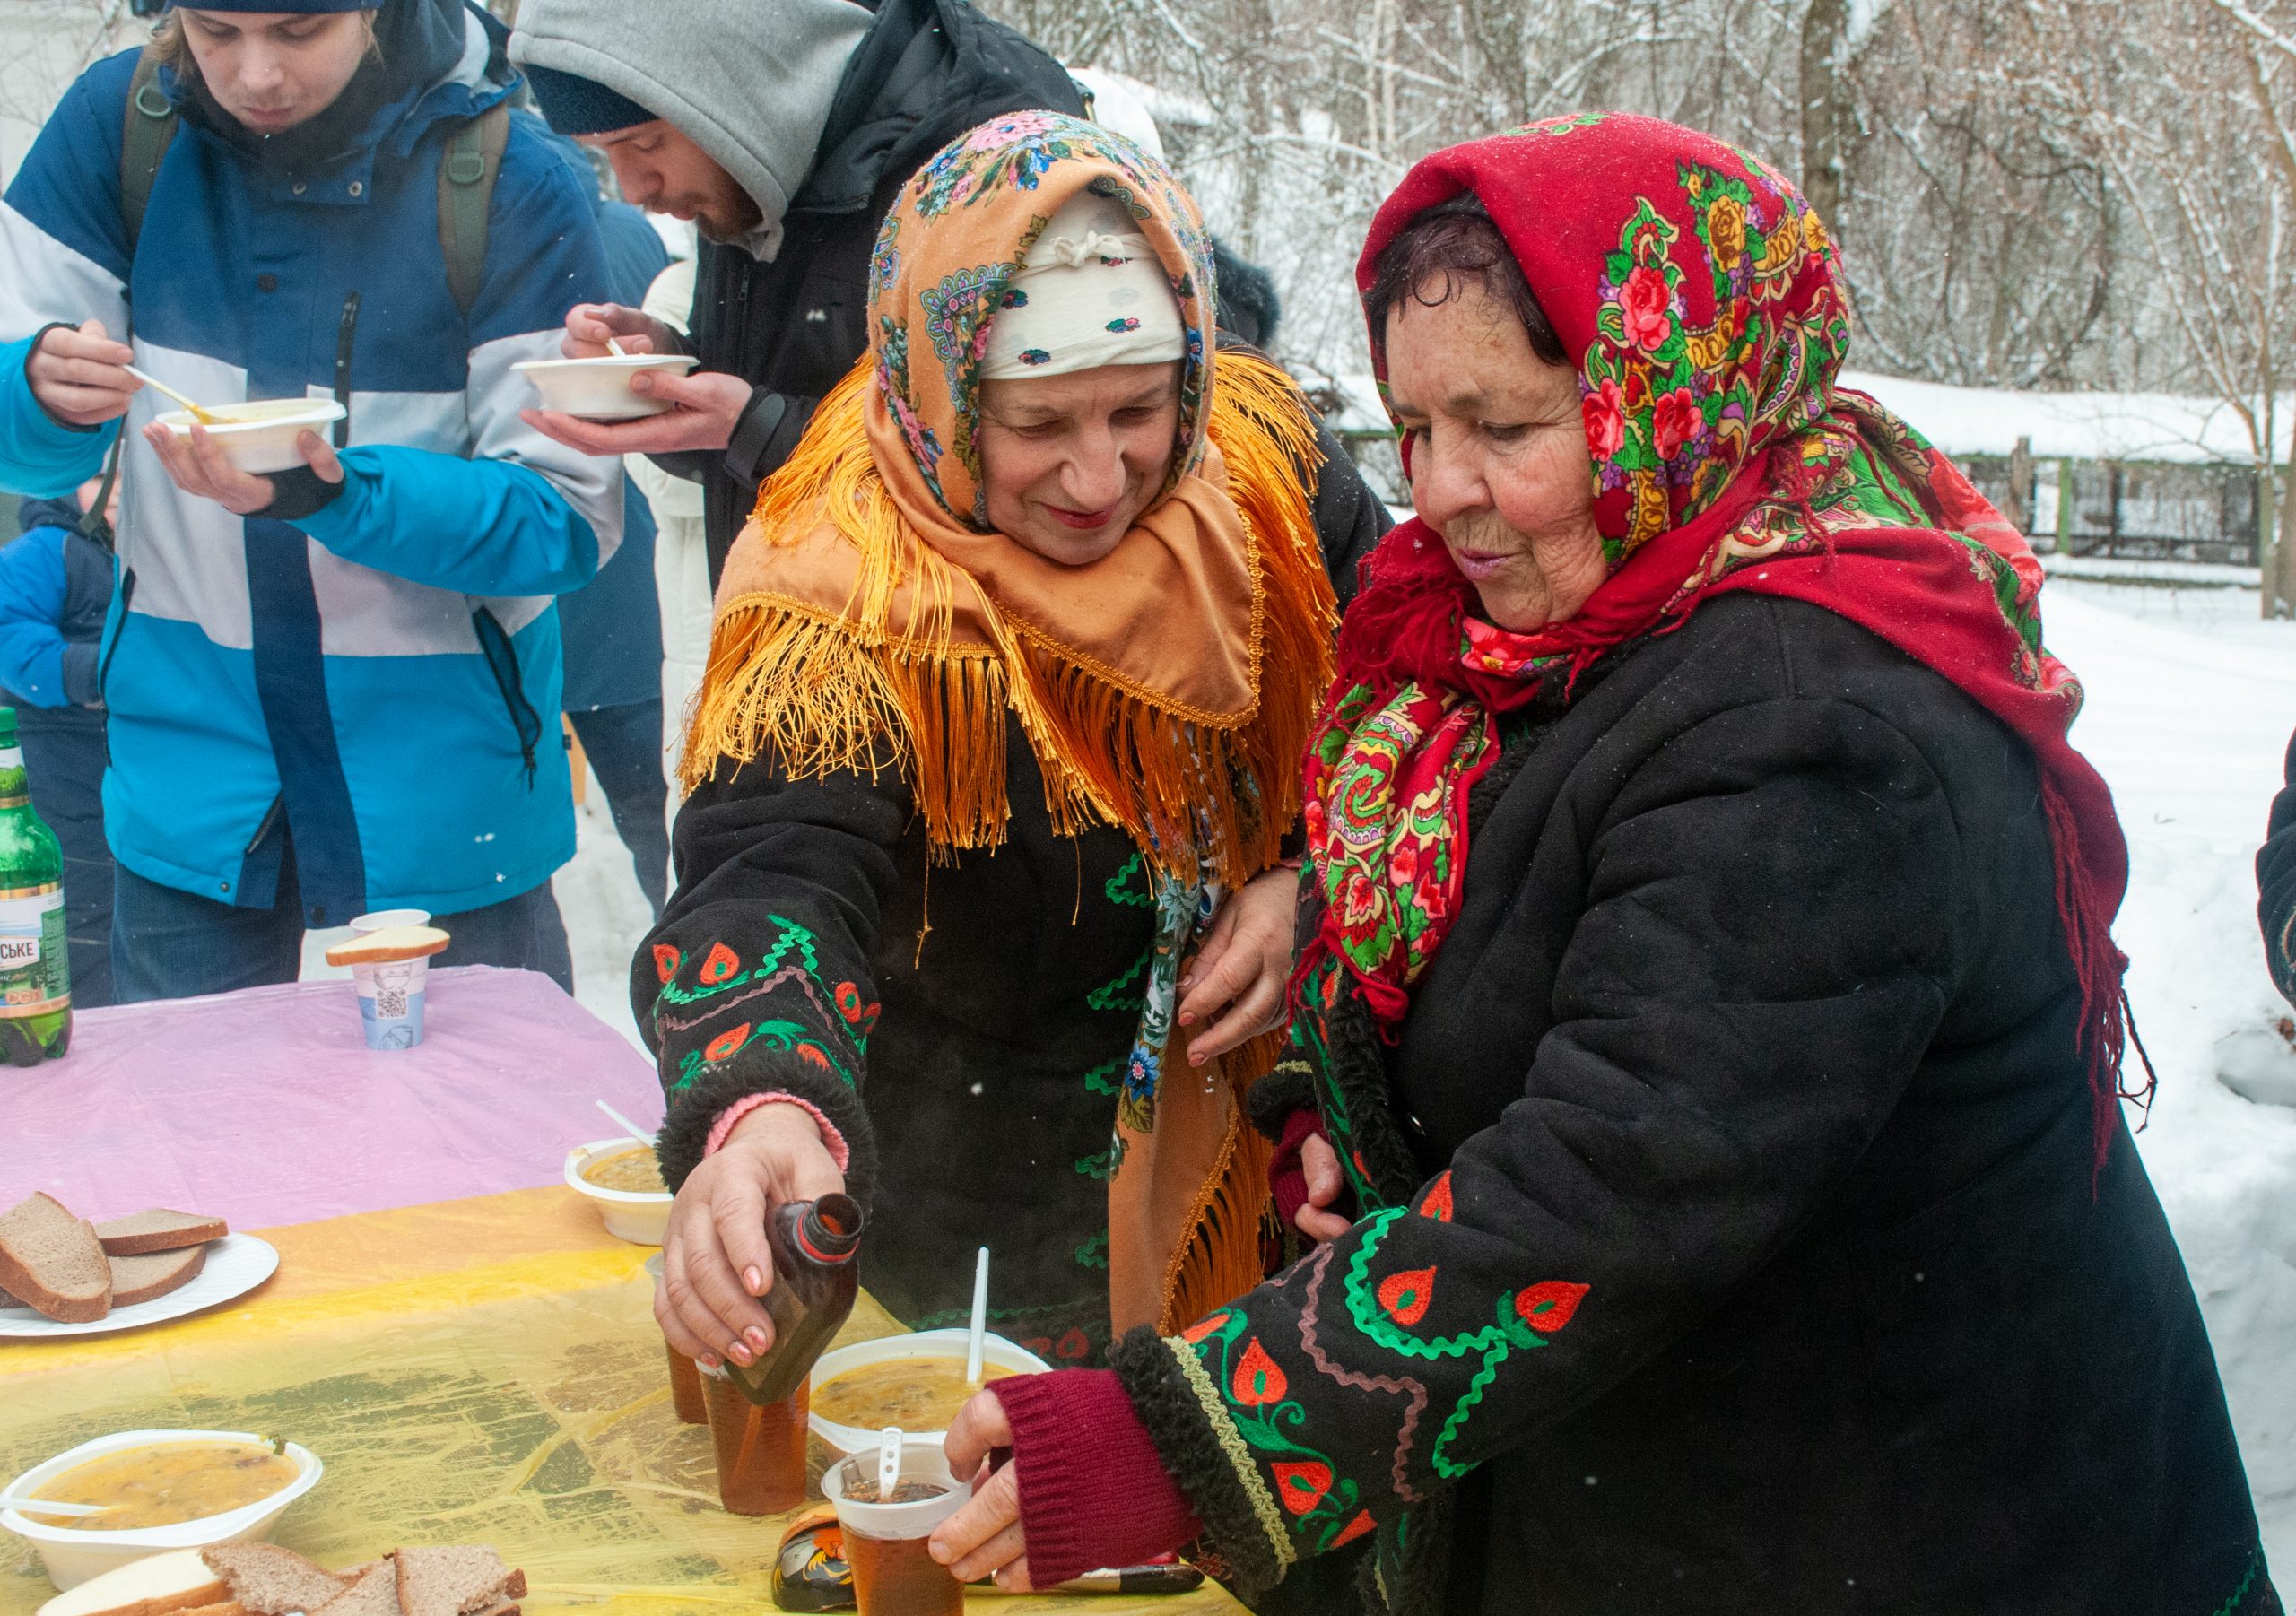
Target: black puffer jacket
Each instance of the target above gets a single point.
(1767, 1272)
(928, 71)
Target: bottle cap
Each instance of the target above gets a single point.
(831, 1230)
(7, 726)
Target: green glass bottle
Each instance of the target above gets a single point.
(35, 968)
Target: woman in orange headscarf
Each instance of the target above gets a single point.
(981, 910)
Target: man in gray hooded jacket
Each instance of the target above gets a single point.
(783, 129)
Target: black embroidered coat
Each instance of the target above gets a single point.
(965, 1027)
(1743, 1254)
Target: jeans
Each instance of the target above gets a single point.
(169, 944)
(624, 746)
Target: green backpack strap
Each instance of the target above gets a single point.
(150, 124)
(147, 127)
(466, 174)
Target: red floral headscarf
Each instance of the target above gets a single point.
(1699, 299)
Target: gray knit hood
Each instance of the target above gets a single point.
(749, 81)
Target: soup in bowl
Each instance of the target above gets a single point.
(914, 1381)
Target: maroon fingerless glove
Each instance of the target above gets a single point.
(1093, 1491)
(1287, 1180)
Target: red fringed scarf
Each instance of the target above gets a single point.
(1699, 299)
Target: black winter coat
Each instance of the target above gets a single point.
(1770, 1259)
(2276, 882)
(926, 72)
(982, 1010)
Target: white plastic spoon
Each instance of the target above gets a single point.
(980, 1317)
(625, 1125)
(888, 1464)
(198, 412)
(50, 1506)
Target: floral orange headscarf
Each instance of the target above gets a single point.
(870, 616)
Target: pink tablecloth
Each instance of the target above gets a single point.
(266, 1106)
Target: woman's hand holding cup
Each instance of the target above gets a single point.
(714, 1260)
(984, 1538)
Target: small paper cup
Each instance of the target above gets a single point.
(921, 1460)
(382, 920)
(598, 389)
(390, 1001)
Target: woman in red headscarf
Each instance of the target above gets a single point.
(1705, 1078)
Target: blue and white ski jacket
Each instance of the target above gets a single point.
(380, 679)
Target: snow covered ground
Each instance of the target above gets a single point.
(2191, 702)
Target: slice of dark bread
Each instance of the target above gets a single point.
(455, 1581)
(270, 1580)
(140, 1279)
(373, 1593)
(53, 1262)
(158, 1230)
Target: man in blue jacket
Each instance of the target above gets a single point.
(334, 689)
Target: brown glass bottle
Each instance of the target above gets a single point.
(815, 1278)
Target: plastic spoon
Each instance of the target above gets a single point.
(888, 1464)
(198, 412)
(50, 1506)
(615, 348)
(625, 1125)
(980, 1317)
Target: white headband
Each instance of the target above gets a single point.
(1092, 293)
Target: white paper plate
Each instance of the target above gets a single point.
(236, 1265)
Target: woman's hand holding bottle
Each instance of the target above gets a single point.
(714, 1260)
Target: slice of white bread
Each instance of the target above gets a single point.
(455, 1581)
(227, 1607)
(53, 1261)
(140, 1279)
(161, 1584)
(158, 1230)
(271, 1581)
(392, 943)
(374, 1592)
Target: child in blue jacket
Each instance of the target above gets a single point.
(56, 588)
(334, 689)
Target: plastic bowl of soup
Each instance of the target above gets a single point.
(259, 437)
(624, 1182)
(167, 1489)
(598, 389)
(917, 1382)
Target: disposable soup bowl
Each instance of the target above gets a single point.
(922, 1343)
(259, 437)
(598, 389)
(71, 1558)
(637, 1216)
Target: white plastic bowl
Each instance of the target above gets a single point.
(922, 1343)
(259, 437)
(598, 389)
(637, 1216)
(71, 1556)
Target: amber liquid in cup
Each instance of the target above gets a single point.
(899, 1577)
(760, 1449)
(685, 1387)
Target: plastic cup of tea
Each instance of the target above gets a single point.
(894, 1573)
(760, 1449)
(382, 920)
(390, 1001)
(685, 1375)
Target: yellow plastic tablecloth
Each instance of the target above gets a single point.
(478, 1371)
